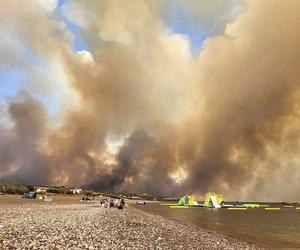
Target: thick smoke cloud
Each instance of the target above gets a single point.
(143, 164)
(19, 146)
(224, 119)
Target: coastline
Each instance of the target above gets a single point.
(205, 228)
(205, 238)
(75, 225)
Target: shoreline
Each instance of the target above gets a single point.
(203, 226)
(235, 241)
(75, 225)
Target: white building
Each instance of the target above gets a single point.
(41, 190)
(76, 190)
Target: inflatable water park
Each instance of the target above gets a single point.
(216, 201)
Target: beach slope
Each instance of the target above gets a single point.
(66, 225)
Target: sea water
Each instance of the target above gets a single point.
(272, 229)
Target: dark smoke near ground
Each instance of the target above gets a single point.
(143, 165)
(224, 118)
(18, 145)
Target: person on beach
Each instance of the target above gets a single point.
(121, 204)
(116, 203)
(110, 202)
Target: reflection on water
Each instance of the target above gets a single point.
(280, 229)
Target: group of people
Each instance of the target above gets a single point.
(86, 198)
(118, 203)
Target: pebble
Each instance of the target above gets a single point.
(65, 225)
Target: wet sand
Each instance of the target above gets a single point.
(28, 224)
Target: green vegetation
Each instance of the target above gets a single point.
(59, 190)
(87, 192)
(53, 190)
(14, 188)
(9, 188)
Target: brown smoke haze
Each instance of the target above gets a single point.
(142, 110)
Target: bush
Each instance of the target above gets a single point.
(53, 190)
(59, 190)
(87, 193)
(8, 188)
(30, 188)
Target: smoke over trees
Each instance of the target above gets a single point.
(223, 117)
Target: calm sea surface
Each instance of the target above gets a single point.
(272, 229)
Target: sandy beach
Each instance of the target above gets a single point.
(27, 224)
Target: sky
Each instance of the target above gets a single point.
(163, 97)
(13, 80)
(177, 19)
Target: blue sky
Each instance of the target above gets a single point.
(13, 80)
(10, 81)
(183, 25)
(180, 22)
(78, 43)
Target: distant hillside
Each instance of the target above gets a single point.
(9, 188)
(17, 188)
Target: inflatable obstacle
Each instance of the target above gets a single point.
(213, 200)
(187, 200)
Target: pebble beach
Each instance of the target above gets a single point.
(75, 225)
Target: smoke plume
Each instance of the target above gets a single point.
(140, 109)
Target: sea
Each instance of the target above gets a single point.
(272, 229)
